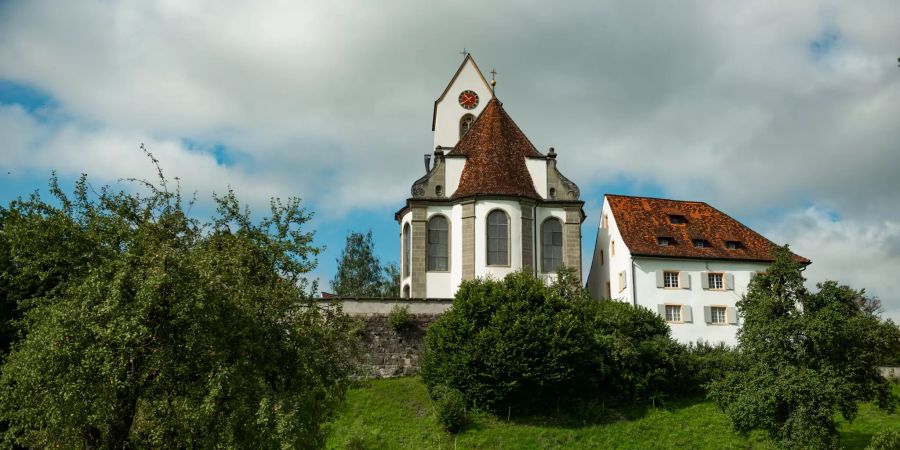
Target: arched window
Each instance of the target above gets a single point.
(465, 124)
(551, 245)
(406, 250)
(438, 243)
(406, 291)
(497, 239)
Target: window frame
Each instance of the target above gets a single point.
(709, 280)
(677, 275)
(700, 243)
(407, 250)
(428, 243)
(487, 238)
(462, 120)
(562, 245)
(680, 312)
(712, 315)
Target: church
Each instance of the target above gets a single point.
(490, 204)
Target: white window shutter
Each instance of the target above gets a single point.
(731, 315)
(659, 279)
(707, 314)
(704, 280)
(729, 281)
(661, 309)
(686, 315)
(684, 279)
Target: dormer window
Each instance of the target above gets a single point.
(665, 241)
(733, 245)
(677, 219)
(701, 243)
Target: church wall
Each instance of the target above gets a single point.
(448, 112)
(512, 209)
(453, 172)
(537, 168)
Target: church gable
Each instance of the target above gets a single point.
(465, 96)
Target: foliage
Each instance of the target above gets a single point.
(395, 413)
(360, 273)
(885, 440)
(146, 328)
(702, 363)
(512, 342)
(449, 408)
(399, 318)
(804, 357)
(9, 311)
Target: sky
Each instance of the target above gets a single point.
(785, 115)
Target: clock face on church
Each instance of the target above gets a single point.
(468, 99)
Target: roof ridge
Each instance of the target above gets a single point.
(656, 198)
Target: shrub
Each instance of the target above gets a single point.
(511, 342)
(399, 318)
(635, 356)
(702, 363)
(885, 440)
(449, 407)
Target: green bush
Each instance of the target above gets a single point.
(703, 363)
(519, 343)
(449, 408)
(885, 440)
(399, 318)
(512, 342)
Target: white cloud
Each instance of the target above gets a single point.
(863, 254)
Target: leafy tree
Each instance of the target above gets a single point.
(360, 273)
(146, 328)
(8, 305)
(804, 357)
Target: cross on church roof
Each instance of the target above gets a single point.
(464, 52)
(493, 79)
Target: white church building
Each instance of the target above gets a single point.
(490, 203)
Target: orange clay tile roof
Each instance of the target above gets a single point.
(642, 221)
(495, 150)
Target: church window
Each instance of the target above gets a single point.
(439, 191)
(406, 250)
(551, 245)
(497, 239)
(465, 124)
(552, 192)
(438, 244)
(406, 291)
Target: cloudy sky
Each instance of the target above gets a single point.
(785, 115)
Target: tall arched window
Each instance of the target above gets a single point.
(438, 243)
(465, 124)
(406, 291)
(406, 250)
(497, 239)
(551, 245)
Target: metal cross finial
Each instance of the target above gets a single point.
(493, 80)
(464, 52)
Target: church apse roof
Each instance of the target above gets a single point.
(495, 150)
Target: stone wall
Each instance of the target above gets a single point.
(389, 353)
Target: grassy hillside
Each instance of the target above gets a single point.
(397, 414)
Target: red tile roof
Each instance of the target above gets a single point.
(495, 150)
(642, 221)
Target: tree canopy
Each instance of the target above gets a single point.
(360, 273)
(805, 356)
(145, 328)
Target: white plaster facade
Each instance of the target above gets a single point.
(617, 274)
(447, 110)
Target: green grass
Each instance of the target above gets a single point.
(397, 414)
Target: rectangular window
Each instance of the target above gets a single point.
(732, 245)
(676, 219)
(665, 241)
(715, 281)
(701, 243)
(673, 313)
(670, 279)
(717, 315)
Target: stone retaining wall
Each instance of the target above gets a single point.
(389, 353)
